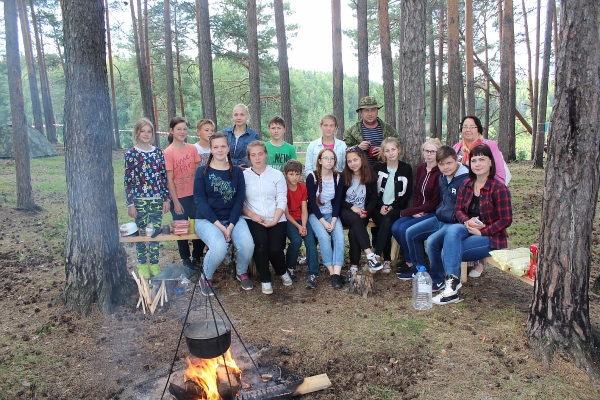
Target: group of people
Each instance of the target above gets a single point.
(244, 192)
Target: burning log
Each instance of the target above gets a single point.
(228, 382)
(191, 391)
(362, 284)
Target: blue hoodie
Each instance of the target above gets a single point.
(445, 211)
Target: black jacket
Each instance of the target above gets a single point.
(403, 183)
(446, 210)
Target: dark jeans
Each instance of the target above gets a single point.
(189, 211)
(269, 244)
(293, 249)
(383, 245)
(358, 237)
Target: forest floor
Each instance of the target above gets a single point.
(371, 348)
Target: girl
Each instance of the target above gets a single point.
(205, 128)
(484, 211)
(358, 203)
(239, 135)
(182, 161)
(146, 191)
(394, 186)
(325, 188)
(219, 194)
(327, 141)
(264, 210)
(425, 199)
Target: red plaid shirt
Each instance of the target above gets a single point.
(495, 209)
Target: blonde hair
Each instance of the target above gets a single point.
(386, 141)
(434, 141)
(204, 121)
(138, 127)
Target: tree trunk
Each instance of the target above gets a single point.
(284, 72)
(95, 263)
(338, 66)
(528, 47)
(178, 65)
(385, 44)
(207, 85)
(253, 69)
(17, 109)
(440, 73)
(432, 77)
(469, 68)
(36, 106)
(536, 91)
(559, 313)
(46, 98)
(171, 108)
(363, 48)
(411, 118)
(486, 123)
(506, 108)
(454, 79)
(538, 159)
(113, 93)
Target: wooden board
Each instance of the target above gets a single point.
(313, 384)
(492, 262)
(159, 238)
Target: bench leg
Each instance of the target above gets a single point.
(395, 252)
(463, 272)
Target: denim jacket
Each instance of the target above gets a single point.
(238, 150)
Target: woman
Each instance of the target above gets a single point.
(219, 194)
(239, 135)
(358, 203)
(426, 197)
(264, 210)
(484, 211)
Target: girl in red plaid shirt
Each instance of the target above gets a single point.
(484, 211)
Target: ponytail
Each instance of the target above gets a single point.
(210, 157)
(319, 185)
(229, 158)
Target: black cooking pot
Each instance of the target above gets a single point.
(208, 338)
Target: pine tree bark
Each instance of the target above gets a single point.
(432, 77)
(469, 68)
(253, 69)
(440, 72)
(486, 123)
(528, 47)
(178, 67)
(113, 93)
(559, 313)
(411, 118)
(171, 107)
(538, 159)
(454, 78)
(385, 44)
(284, 72)
(36, 106)
(207, 85)
(95, 263)
(338, 66)
(363, 48)
(44, 84)
(505, 134)
(536, 91)
(17, 109)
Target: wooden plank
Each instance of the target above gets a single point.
(524, 278)
(159, 238)
(313, 384)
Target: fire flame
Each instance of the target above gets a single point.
(204, 372)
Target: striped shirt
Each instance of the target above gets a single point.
(375, 136)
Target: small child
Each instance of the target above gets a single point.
(298, 228)
(205, 128)
(279, 150)
(146, 191)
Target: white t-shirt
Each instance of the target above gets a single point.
(356, 194)
(327, 196)
(203, 153)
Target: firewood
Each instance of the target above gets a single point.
(313, 383)
(361, 284)
(227, 391)
(141, 291)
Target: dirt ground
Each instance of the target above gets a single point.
(371, 348)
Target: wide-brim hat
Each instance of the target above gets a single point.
(368, 102)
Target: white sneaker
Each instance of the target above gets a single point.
(374, 263)
(387, 267)
(267, 288)
(286, 280)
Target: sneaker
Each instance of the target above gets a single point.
(344, 279)
(267, 288)
(374, 264)
(452, 286)
(286, 280)
(477, 269)
(206, 287)
(436, 287)
(336, 281)
(293, 275)
(387, 267)
(407, 276)
(442, 300)
(311, 282)
(403, 267)
(245, 281)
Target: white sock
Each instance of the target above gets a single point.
(371, 255)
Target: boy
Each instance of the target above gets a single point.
(205, 128)
(452, 178)
(298, 228)
(279, 150)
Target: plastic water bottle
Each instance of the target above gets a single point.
(422, 284)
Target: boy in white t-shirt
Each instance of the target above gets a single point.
(205, 128)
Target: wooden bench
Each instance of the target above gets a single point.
(492, 262)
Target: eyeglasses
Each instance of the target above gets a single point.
(327, 158)
(429, 151)
(469, 127)
(353, 149)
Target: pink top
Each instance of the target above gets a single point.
(498, 158)
(182, 161)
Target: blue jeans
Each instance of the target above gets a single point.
(448, 247)
(332, 244)
(399, 232)
(293, 249)
(416, 236)
(217, 246)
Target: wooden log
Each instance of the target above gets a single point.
(227, 391)
(361, 284)
(141, 291)
(312, 384)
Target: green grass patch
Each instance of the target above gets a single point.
(382, 393)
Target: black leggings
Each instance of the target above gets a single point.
(269, 245)
(383, 246)
(358, 237)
